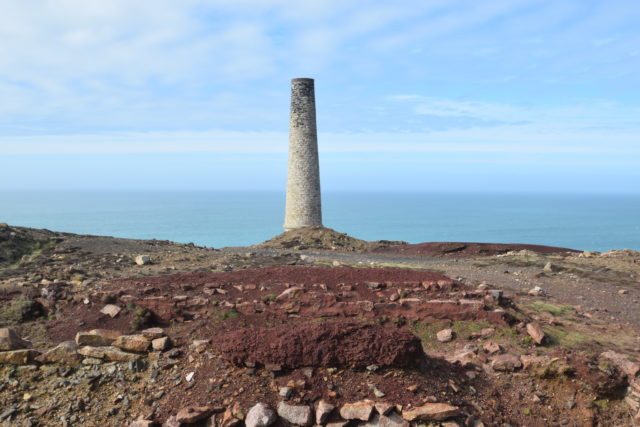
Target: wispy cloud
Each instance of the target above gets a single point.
(160, 75)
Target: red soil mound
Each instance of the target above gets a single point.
(437, 249)
(336, 343)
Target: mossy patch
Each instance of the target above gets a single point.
(269, 298)
(553, 309)
(141, 318)
(20, 310)
(462, 329)
(229, 314)
(561, 337)
(557, 368)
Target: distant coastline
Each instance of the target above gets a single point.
(217, 219)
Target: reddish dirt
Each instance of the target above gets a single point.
(295, 275)
(77, 318)
(248, 298)
(438, 249)
(335, 343)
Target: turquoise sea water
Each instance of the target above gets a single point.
(218, 219)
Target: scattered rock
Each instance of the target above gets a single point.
(161, 344)
(260, 415)
(64, 353)
(357, 411)
(431, 412)
(108, 353)
(10, 340)
(535, 331)
(132, 343)
(445, 335)
(232, 416)
(495, 294)
(289, 293)
(378, 393)
(97, 337)
(485, 332)
(537, 291)
(624, 365)
(492, 347)
(171, 422)
(143, 259)
(298, 415)
(391, 420)
(623, 291)
(153, 333)
(111, 310)
(285, 392)
(506, 362)
(193, 414)
(18, 357)
(323, 411)
(384, 408)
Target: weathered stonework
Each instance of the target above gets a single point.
(303, 208)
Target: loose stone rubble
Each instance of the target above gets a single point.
(172, 349)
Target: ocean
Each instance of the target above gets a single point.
(218, 219)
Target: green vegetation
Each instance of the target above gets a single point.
(526, 411)
(382, 319)
(20, 310)
(556, 369)
(229, 314)
(20, 251)
(553, 309)
(560, 336)
(461, 329)
(269, 298)
(602, 403)
(399, 321)
(606, 367)
(141, 318)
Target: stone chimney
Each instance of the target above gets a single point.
(303, 182)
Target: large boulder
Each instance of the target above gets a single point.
(622, 363)
(10, 340)
(132, 343)
(431, 412)
(97, 337)
(108, 353)
(18, 357)
(65, 353)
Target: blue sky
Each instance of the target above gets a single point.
(498, 95)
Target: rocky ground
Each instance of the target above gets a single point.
(315, 327)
